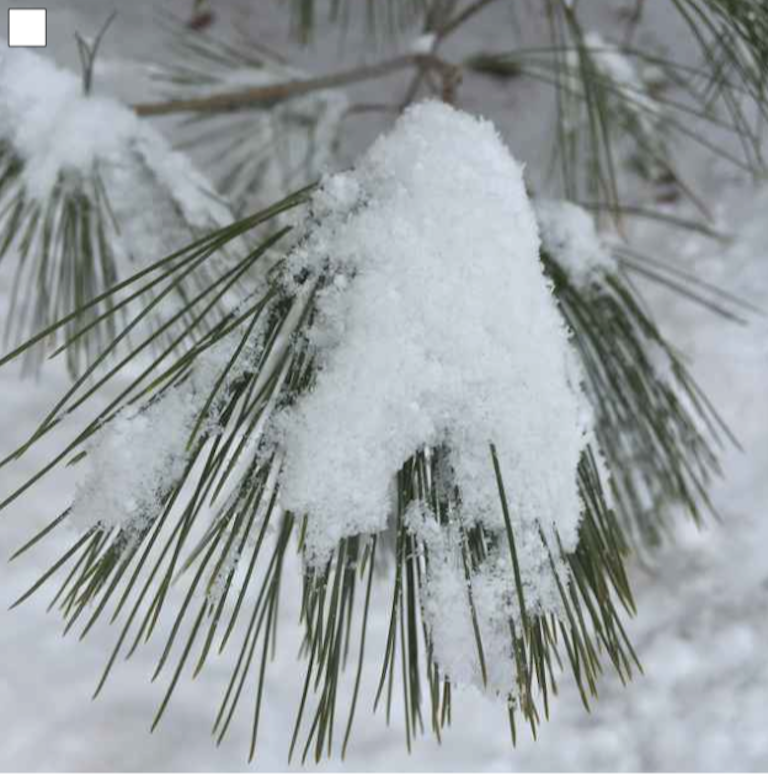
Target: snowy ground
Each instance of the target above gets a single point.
(700, 631)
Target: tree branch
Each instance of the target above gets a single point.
(441, 25)
(273, 93)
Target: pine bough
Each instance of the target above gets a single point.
(88, 195)
(432, 374)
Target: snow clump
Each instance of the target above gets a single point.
(439, 328)
(569, 235)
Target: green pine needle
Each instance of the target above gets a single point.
(656, 437)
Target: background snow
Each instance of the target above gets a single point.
(702, 621)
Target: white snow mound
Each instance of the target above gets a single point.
(439, 327)
(56, 129)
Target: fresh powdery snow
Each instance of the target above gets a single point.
(438, 328)
(494, 604)
(569, 235)
(132, 462)
(435, 327)
(56, 129)
(136, 458)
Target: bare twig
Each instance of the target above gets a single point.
(432, 22)
(273, 93)
(634, 18)
(440, 23)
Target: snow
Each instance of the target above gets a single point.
(701, 611)
(447, 611)
(696, 708)
(51, 125)
(149, 200)
(133, 461)
(57, 130)
(136, 457)
(199, 206)
(569, 235)
(423, 44)
(440, 328)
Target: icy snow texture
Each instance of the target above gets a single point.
(439, 328)
(569, 235)
(133, 461)
(56, 129)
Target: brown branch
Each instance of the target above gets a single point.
(441, 26)
(450, 76)
(273, 93)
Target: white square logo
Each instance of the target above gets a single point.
(27, 27)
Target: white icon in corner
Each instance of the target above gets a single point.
(27, 27)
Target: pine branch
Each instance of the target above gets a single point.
(648, 437)
(602, 113)
(273, 94)
(227, 374)
(255, 155)
(393, 15)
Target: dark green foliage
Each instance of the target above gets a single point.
(66, 255)
(654, 426)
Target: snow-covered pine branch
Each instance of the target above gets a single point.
(433, 375)
(88, 195)
(655, 428)
(404, 375)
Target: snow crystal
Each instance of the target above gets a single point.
(439, 328)
(50, 124)
(569, 235)
(423, 44)
(489, 593)
(133, 460)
